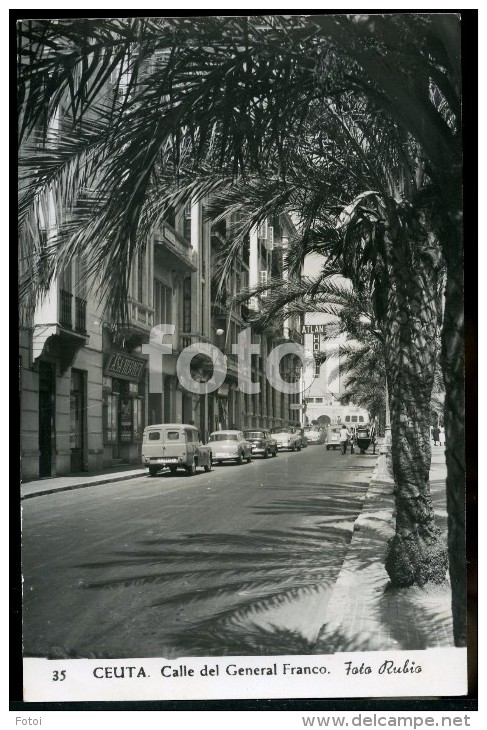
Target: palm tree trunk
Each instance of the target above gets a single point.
(416, 554)
(453, 363)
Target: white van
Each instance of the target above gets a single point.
(175, 445)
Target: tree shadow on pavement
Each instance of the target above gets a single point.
(207, 593)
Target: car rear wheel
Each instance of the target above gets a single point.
(300, 447)
(153, 471)
(293, 447)
(265, 454)
(191, 469)
(208, 466)
(274, 453)
(173, 469)
(327, 448)
(240, 459)
(249, 458)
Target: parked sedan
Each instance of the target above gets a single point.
(261, 443)
(314, 435)
(287, 437)
(230, 446)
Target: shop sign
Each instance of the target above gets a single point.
(121, 366)
(314, 329)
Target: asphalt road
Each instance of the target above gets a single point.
(238, 561)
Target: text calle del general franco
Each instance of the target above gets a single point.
(182, 671)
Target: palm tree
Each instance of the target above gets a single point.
(404, 335)
(216, 98)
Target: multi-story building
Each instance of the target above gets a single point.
(85, 395)
(261, 260)
(321, 336)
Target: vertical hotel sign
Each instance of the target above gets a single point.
(124, 367)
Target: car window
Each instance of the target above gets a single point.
(154, 436)
(172, 435)
(254, 434)
(223, 437)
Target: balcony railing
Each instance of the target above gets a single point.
(65, 309)
(175, 243)
(140, 314)
(80, 314)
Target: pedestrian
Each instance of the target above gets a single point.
(353, 438)
(442, 436)
(435, 432)
(344, 436)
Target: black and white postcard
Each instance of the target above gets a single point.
(241, 364)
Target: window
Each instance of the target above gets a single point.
(172, 435)
(354, 419)
(263, 280)
(109, 417)
(223, 436)
(318, 400)
(154, 436)
(162, 303)
(347, 419)
(187, 222)
(140, 276)
(361, 419)
(262, 230)
(187, 304)
(126, 409)
(270, 238)
(170, 216)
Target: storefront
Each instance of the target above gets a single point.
(123, 407)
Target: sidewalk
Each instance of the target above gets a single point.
(363, 613)
(49, 485)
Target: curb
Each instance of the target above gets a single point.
(352, 620)
(364, 612)
(81, 485)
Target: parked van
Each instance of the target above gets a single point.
(175, 445)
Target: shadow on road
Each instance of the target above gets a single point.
(223, 594)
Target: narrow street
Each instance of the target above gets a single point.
(237, 561)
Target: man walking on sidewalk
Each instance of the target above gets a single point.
(344, 436)
(435, 432)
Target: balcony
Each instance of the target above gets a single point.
(175, 251)
(141, 316)
(53, 332)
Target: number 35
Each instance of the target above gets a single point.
(59, 676)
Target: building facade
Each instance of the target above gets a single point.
(84, 379)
